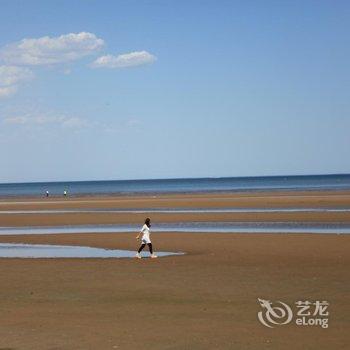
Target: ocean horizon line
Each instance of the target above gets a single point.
(178, 185)
(181, 178)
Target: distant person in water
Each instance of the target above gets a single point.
(145, 239)
(47, 193)
(65, 193)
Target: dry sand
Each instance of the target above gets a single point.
(206, 299)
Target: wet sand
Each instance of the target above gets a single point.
(240, 199)
(206, 299)
(312, 199)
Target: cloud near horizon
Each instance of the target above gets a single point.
(37, 119)
(10, 77)
(7, 91)
(131, 59)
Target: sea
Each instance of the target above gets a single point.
(185, 185)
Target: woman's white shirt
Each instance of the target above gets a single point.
(145, 234)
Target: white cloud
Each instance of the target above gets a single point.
(48, 51)
(10, 76)
(131, 59)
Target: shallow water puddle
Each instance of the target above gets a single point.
(176, 211)
(189, 227)
(21, 250)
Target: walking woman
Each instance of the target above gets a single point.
(145, 239)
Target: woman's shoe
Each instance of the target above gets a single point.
(138, 256)
(153, 256)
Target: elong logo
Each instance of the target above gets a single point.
(279, 313)
(274, 315)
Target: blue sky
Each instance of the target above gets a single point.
(164, 89)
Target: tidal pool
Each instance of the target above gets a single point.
(21, 250)
(189, 227)
(174, 210)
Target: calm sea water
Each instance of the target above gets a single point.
(312, 182)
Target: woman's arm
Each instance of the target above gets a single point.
(140, 233)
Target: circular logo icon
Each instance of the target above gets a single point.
(273, 315)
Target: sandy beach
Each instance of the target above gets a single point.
(175, 175)
(205, 299)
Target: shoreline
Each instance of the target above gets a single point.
(248, 191)
(327, 194)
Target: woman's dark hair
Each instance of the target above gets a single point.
(148, 222)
